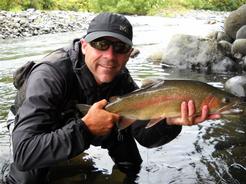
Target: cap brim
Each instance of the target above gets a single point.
(94, 35)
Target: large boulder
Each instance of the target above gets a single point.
(186, 51)
(239, 46)
(241, 33)
(236, 85)
(235, 21)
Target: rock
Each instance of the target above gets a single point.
(219, 35)
(213, 35)
(236, 85)
(23, 22)
(225, 65)
(238, 172)
(241, 33)
(225, 46)
(186, 51)
(239, 46)
(244, 63)
(155, 57)
(238, 56)
(31, 22)
(235, 21)
(223, 36)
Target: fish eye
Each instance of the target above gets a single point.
(225, 100)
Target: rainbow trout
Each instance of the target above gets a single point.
(163, 99)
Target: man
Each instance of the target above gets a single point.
(49, 129)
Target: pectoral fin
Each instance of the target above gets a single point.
(152, 122)
(83, 108)
(124, 123)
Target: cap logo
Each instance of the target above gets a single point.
(123, 28)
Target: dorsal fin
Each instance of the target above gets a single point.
(148, 86)
(150, 82)
(113, 98)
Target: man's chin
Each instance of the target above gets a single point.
(105, 80)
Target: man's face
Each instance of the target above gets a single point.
(104, 64)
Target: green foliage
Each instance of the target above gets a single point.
(8, 5)
(196, 4)
(219, 5)
(139, 7)
(224, 5)
(102, 5)
(15, 5)
(125, 7)
(72, 5)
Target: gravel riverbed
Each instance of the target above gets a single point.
(37, 22)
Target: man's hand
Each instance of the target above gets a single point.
(188, 115)
(98, 120)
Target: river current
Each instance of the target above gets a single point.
(212, 152)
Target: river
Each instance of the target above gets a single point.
(212, 152)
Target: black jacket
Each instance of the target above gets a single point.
(48, 129)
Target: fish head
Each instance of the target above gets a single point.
(225, 104)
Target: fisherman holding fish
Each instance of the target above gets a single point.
(48, 128)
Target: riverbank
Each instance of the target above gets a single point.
(37, 22)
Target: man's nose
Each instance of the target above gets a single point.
(109, 53)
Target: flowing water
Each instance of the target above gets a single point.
(212, 152)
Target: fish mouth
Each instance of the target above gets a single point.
(232, 111)
(237, 108)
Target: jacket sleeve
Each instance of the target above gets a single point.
(155, 136)
(39, 139)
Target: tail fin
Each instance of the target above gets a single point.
(83, 108)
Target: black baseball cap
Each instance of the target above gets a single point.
(110, 24)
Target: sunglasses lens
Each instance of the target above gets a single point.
(103, 44)
(100, 44)
(121, 48)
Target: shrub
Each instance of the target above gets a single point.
(140, 7)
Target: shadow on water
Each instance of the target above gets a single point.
(80, 170)
(226, 141)
(213, 152)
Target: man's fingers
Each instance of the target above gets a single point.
(188, 115)
(101, 104)
(214, 116)
(204, 115)
(187, 110)
(184, 110)
(191, 108)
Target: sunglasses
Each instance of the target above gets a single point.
(103, 44)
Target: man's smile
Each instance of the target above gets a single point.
(108, 67)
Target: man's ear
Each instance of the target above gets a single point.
(134, 52)
(83, 45)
